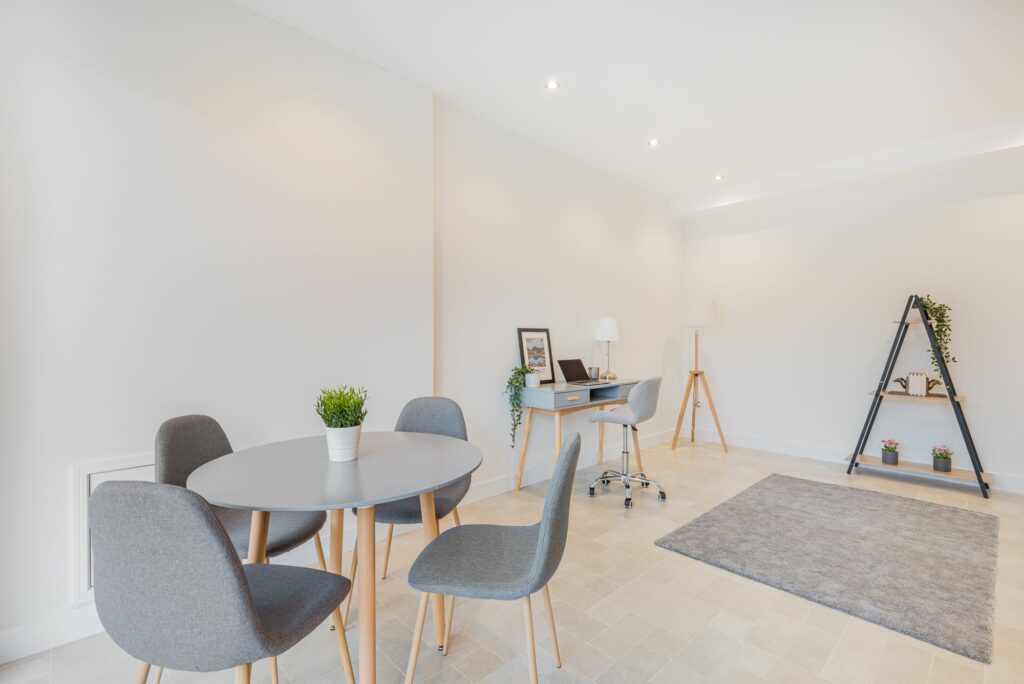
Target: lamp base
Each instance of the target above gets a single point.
(608, 375)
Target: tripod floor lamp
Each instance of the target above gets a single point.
(697, 314)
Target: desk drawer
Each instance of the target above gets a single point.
(574, 398)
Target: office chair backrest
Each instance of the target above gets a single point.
(170, 589)
(643, 399)
(434, 415)
(185, 443)
(554, 524)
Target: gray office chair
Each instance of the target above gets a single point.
(499, 562)
(640, 405)
(187, 442)
(171, 590)
(436, 416)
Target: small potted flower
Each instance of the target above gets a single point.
(343, 411)
(890, 452)
(942, 459)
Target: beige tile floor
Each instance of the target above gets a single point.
(629, 611)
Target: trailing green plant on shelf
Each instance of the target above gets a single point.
(343, 407)
(942, 324)
(513, 390)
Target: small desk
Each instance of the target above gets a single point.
(559, 399)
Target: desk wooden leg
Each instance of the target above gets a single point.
(600, 438)
(258, 537)
(527, 424)
(682, 411)
(558, 433)
(429, 515)
(336, 521)
(636, 448)
(367, 546)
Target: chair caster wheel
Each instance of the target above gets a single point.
(662, 497)
(628, 503)
(332, 627)
(440, 649)
(605, 482)
(591, 490)
(645, 485)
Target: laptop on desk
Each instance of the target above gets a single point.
(576, 373)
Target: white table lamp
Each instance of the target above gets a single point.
(697, 314)
(607, 332)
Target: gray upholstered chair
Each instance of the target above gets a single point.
(640, 405)
(187, 442)
(436, 416)
(499, 562)
(171, 590)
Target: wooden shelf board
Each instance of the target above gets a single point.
(922, 469)
(930, 397)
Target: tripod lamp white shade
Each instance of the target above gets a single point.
(607, 330)
(698, 313)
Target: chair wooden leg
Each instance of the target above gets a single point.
(387, 551)
(636, 448)
(143, 673)
(346, 659)
(448, 625)
(242, 673)
(157, 674)
(273, 670)
(319, 552)
(414, 652)
(531, 646)
(551, 622)
(352, 591)
(455, 514)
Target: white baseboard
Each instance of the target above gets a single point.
(19, 641)
(1000, 482)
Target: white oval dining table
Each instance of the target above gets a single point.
(296, 475)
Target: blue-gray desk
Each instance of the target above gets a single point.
(559, 399)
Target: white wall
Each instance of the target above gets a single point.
(203, 211)
(528, 238)
(807, 293)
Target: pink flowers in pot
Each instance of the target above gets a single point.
(942, 451)
(890, 445)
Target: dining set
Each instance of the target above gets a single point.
(172, 589)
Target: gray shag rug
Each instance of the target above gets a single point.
(918, 568)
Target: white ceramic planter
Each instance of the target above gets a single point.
(533, 380)
(343, 443)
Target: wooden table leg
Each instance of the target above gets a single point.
(258, 529)
(527, 424)
(367, 546)
(558, 433)
(600, 438)
(336, 523)
(429, 515)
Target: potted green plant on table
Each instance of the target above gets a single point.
(942, 459)
(513, 390)
(890, 452)
(343, 410)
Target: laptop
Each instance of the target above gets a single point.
(576, 373)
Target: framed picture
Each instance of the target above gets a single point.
(535, 352)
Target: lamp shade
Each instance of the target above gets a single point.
(607, 330)
(698, 313)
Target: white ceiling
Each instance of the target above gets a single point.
(747, 89)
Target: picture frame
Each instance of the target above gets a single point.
(535, 352)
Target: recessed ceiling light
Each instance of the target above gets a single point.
(552, 84)
(719, 177)
(653, 142)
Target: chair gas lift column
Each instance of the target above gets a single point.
(640, 406)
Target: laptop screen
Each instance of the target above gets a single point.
(573, 370)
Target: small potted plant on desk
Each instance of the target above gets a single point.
(890, 452)
(942, 459)
(343, 411)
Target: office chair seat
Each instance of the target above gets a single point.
(479, 561)
(288, 529)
